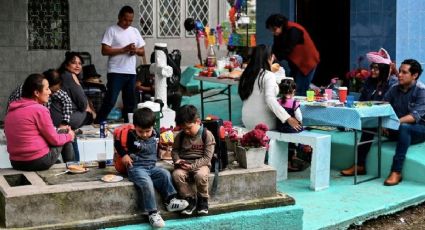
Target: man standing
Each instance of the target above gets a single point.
(121, 43)
(408, 101)
(292, 43)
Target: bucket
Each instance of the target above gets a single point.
(156, 108)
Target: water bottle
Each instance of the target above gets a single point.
(102, 129)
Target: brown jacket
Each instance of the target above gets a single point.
(193, 149)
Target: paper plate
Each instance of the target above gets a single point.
(78, 171)
(111, 178)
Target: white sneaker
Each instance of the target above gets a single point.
(156, 220)
(177, 205)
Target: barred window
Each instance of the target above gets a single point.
(146, 10)
(198, 10)
(48, 24)
(169, 12)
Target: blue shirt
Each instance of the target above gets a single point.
(410, 102)
(371, 91)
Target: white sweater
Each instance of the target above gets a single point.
(262, 106)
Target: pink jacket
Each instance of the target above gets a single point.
(29, 131)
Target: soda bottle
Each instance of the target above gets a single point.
(102, 129)
(211, 58)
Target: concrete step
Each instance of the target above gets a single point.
(82, 199)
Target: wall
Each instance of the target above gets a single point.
(373, 26)
(88, 21)
(411, 31)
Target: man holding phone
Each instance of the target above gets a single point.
(121, 43)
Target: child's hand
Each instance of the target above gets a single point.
(183, 164)
(127, 161)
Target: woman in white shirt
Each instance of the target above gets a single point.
(258, 90)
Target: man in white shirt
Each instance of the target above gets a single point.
(121, 43)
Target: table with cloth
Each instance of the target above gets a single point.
(374, 116)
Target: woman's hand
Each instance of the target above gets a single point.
(294, 123)
(71, 132)
(127, 161)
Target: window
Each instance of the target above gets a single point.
(48, 24)
(169, 22)
(146, 17)
(198, 10)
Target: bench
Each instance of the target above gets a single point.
(320, 163)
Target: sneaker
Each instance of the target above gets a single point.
(202, 205)
(191, 207)
(177, 205)
(156, 220)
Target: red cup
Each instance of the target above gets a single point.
(342, 91)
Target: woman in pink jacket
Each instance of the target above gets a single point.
(32, 141)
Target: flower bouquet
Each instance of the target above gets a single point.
(232, 136)
(253, 147)
(357, 76)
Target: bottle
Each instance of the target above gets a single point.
(211, 58)
(102, 129)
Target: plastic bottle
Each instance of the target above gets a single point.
(102, 128)
(211, 57)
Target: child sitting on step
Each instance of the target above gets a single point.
(192, 159)
(287, 89)
(140, 161)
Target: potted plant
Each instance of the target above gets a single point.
(232, 136)
(253, 147)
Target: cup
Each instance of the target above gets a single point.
(221, 64)
(342, 91)
(350, 101)
(329, 92)
(310, 95)
(101, 160)
(130, 118)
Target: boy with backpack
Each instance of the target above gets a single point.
(140, 162)
(192, 159)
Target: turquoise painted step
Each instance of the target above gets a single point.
(342, 156)
(288, 217)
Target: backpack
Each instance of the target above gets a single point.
(173, 60)
(120, 137)
(219, 160)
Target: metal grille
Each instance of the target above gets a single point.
(198, 10)
(169, 18)
(48, 24)
(146, 17)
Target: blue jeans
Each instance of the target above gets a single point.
(148, 179)
(303, 81)
(407, 135)
(119, 82)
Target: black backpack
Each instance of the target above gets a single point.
(173, 60)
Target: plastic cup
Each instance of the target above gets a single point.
(101, 160)
(350, 101)
(329, 92)
(221, 64)
(342, 91)
(310, 95)
(130, 118)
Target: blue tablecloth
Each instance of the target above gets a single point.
(354, 118)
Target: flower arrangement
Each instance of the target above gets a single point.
(357, 76)
(231, 133)
(256, 138)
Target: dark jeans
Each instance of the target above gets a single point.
(46, 161)
(148, 179)
(118, 82)
(406, 135)
(303, 81)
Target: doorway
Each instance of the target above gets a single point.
(317, 17)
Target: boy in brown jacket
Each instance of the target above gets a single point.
(192, 152)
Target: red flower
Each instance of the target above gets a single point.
(256, 137)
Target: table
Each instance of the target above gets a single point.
(226, 91)
(355, 118)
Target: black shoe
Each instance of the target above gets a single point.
(202, 205)
(191, 207)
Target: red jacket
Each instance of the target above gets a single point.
(304, 53)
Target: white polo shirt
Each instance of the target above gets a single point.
(117, 37)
